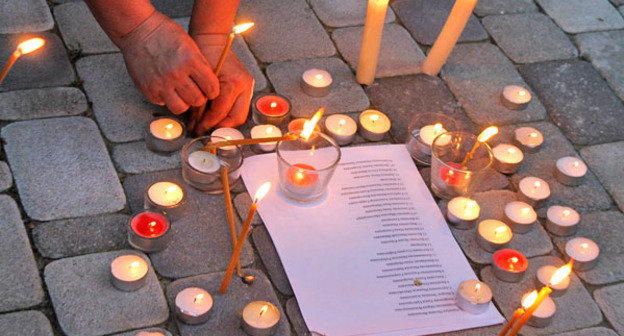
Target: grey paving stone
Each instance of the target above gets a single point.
(80, 30)
(20, 286)
(604, 228)
(225, 320)
(295, 317)
(499, 7)
(76, 236)
(575, 309)
(134, 332)
(86, 303)
(25, 323)
(605, 161)
(25, 16)
(577, 16)
(271, 260)
(289, 30)
(6, 178)
(621, 8)
(598, 331)
(201, 240)
(345, 95)
(611, 301)
(578, 100)
(135, 158)
(344, 13)
(605, 50)
(62, 168)
(477, 73)
(399, 54)
(48, 66)
(42, 103)
(528, 38)
(424, 20)
(242, 202)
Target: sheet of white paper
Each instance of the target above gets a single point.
(352, 257)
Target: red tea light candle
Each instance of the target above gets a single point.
(165, 197)
(302, 175)
(515, 97)
(149, 231)
(509, 265)
(544, 313)
(584, 252)
(520, 216)
(562, 221)
(193, 305)
(493, 235)
(271, 108)
(528, 139)
(129, 272)
(533, 191)
(570, 171)
(165, 135)
(316, 82)
(543, 276)
(296, 125)
(507, 158)
(374, 125)
(463, 212)
(454, 175)
(473, 296)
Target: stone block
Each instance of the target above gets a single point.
(42, 103)
(81, 32)
(271, 260)
(344, 13)
(598, 331)
(25, 16)
(6, 178)
(611, 302)
(605, 50)
(604, 161)
(500, 7)
(578, 16)
(25, 323)
(135, 158)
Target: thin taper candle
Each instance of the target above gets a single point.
(514, 318)
(543, 293)
(230, 213)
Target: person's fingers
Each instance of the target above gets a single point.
(174, 102)
(190, 93)
(240, 110)
(206, 80)
(153, 97)
(219, 108)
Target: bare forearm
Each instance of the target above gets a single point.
(119, 17)
(213, 16)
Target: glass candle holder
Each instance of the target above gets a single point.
(422, 130)
(453, 171)
(202, 169)
(305, 167)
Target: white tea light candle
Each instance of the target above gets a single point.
(507, 158)
(473, 296)
(493, 235)
(583, 251)
(426, 135)
(528, 139)
(341, 128)
(204, 162)
(165, 197)
(260, 318)
(129, 272)
(515, 97)
(570, 171)
(193, 305)
(562, 221)
(543, 276)
(316, 82)
(543, 314)
(463, 212)
(533, 191)
(165, 135)
(227, 133)
(265, 131)
(374, 125)
(520, 216)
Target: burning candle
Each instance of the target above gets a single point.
(296, 125)
(584, 252)
(507, 158)
(165, 135)
(166, 197)
(204, 162)
(227, 133)
(542, 316)
(570, 171)
(341, 128)
(149, 231)
(528, 138)
(265, 131)
(533, 191)
(371, 41)
(271, 108)
(493, 235)
(473, 296)
(129, 272)
(374, 125)
(463, 212)
(515, 97)
(543, 276)
(509, 265)
(260, 318)
(23, 48)
(316, 82)
(520, 216)
(562, 221)
(193, 305)
(421, 142)
(301, 179)
(149, 333)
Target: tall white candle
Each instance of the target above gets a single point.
(562, 221)
(521, 216)
(570, 171)
(584, 251)
(129, 272)
(371, 41)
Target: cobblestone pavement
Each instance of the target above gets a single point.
(73, 164)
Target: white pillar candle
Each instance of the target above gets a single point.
(493, 235)
(533, 191)
(463, 212)
(265, 131)
(584, 251)
(371, 41)
(562, 221)
(316, 82)
(129, 272)
(520, 216)
(193, 305)
(507, 158)
(543, 314)
(227, 133)
(260, 318)
(165, 135)
(515, 97)
(473, 296)
(204, 162)
(570, 171)
(528, 139)
(543, 276)
(374, 125)
(341, 128)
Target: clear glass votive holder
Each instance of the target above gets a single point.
(453, 171)
(422, 130)
(202, 173)
(305, 167)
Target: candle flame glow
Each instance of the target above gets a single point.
(134, 264)
(533, 135)
(529, 300)
(268, 130)
(471, 204)
(374, 117)
(566, 213)
(342, 122)
(477, 287)
(309, 125)
(511, 150)
(169, 126)
(198, 298)
(500, 230)
(264, 309)
(243, 27)
(514, 260)
(526, 210)
(561, 273)
(487, 133)
(171, 189)
(575, 164)
(537, 184)
(437, 127)
(318, 76)
(262, 191)
(522, 92)
(273, 105)
(30, 45)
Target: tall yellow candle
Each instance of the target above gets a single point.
(371, 41)
(448, 36)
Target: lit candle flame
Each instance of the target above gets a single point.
(318, 76)
(487, 133)
(151, 225)
(526, 210)
(30, 45)
(243, 27)
(198, 298)
(309, 125)
(262, 191)
(514, 260)
(264, 309)
(273, 105)
(511, 150)
(584, 247)
(561, 273)
(522, 92)
(533, 135)
(529, 300)
(437, 127)
(134, 264)
(575, 164)
(500, 230)
(471, 204)
(312, 150)
(171, 189)
(374, 117)
(169, 126)
(477, 287)
(227, 137)
(566, 213)
(537, 184)
(341, 122)
(268, 130)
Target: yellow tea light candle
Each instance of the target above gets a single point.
(570, 171)
(371, 41)
(543, 276)
(584, 252)
(265, 131)
(493, 235)
(520, 216)
(193, 305)
(341, 128)
(528, 139)
(316, 82)
(533, 191)
(515, 97)
(374, 125)
(128, 272)
(165, 135)
(562, 221)
(507, 158)
(463, 212)
(260, 318)
(473, 296)
(542, 316)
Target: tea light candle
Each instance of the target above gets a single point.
(165, 135)
(509, 265)
(129, 272)
(520, 216)
(149, 333)
(507, 158)
(463, 212)
(584, 252)
(473, 296)
(260, 318)
(570, 171)
(542, 316)
(422, 142)
(193, 305)
(301, 179)
(562, 221)
(204, 162)
(270, 108)
(227, 133)
(341, 128)
(543, 276)
(165, 197)
(533, 191)
(316, 82)
(296, 125)
(149, 231)
(493, 235)
(265, 131)
(515, 97)
(528, 139)
(374, 125)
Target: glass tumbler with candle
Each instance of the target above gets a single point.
(422, 130)
(459, 162)
(305, 167)
(202, 169)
